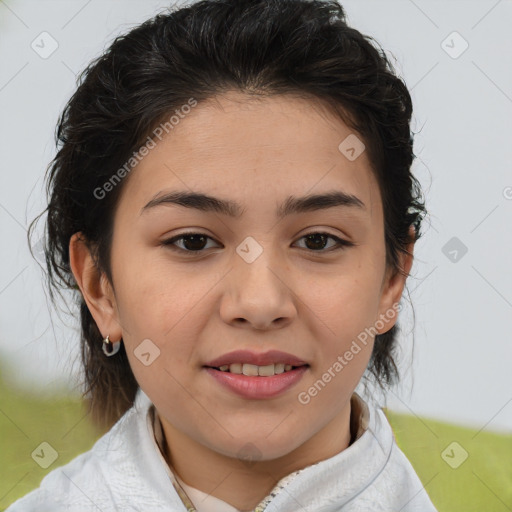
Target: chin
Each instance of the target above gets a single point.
(253, 449)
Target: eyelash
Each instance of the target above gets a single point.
(341, 244)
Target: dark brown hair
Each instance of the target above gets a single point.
(261, 48)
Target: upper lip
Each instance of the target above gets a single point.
(259, 359)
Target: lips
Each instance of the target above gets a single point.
(258, 388)
(258, 359)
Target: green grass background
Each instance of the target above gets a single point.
(482, 483)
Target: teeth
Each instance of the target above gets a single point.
(278, 368)
(235, 368)
(254, 370)
(250, 370)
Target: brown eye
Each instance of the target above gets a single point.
(316, 242)
(191, 242)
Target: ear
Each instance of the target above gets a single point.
(393, 286)
(95, 288)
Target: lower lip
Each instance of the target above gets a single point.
(258, 387)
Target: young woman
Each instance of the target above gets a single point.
(233, 206)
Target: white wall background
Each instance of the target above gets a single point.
(463, 107)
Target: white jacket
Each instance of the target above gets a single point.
(125, 471)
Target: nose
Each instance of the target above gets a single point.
(258, 294)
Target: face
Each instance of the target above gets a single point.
(260, 277)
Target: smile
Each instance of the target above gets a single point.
(252, 370)
(246, 380)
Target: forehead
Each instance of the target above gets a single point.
(253, 150)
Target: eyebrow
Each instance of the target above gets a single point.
(291, 205)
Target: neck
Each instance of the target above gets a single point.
(244, 485)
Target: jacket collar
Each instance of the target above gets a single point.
(323, 485)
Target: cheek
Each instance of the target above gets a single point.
(154, 296)
(343, 304)
(343, 310)
(160, 326)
